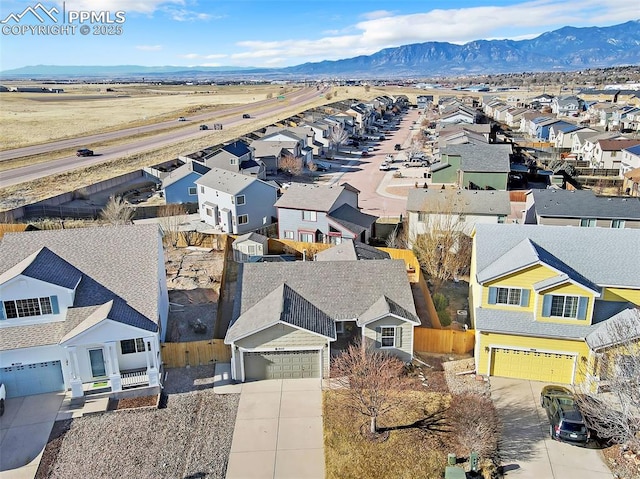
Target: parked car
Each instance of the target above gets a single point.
(322, 166)
(84, 152)
(565, 419)
(365, 153)
(182, 118)
(397, 147)
(3, 396)
(389, 159)
(246, 115)
(415, 163)
(204, 127)
(370, 149)
(384, 166)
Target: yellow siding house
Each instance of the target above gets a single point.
(544, 299)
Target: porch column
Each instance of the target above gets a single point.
(114, 368)
(76, 381)
(152, 364)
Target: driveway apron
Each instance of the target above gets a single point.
(526, 448)
(278, 431)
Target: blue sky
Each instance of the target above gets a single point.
(275, 33)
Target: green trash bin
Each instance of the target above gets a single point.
(452, 460)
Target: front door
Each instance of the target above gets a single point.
(96, 356)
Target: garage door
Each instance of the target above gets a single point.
(536, 366)
(28, 379)
(282, 365)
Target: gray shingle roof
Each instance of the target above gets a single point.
(340, 289)
(350, 250)
(116, 263)
(605, 256)
(584, 204)
(470, 202)
(303, 196)
(226, 181)
(481, 157)
(623, 325)
(184, 171)
(352, 219)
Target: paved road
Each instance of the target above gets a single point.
(261, 109)
(526, 449)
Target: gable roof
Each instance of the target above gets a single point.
(237, 148)
(349, 250)
(44, 265)
(617, 144)
(257, 237)
(351, 218)
(504, 248)
(557, 203)
(470, 202)
(184, 171)
(343, 290)
(227, 181)
(481, 157)
(304, 196)
(623, 325)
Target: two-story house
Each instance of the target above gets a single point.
(580, 208)
(567, 105)
(82, 310)
(608, 153)
(542, 296)
(453, 210)
(322, 214)
(235, 203)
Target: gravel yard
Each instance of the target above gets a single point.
(464, 383)
(189, 438)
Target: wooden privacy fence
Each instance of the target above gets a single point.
(429, 340)
(195, 353)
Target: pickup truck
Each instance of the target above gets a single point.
(415, 163)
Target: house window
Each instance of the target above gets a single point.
(240, 200)
(209, 212)
(129, 346)
(233, 161)
(24, 308)
(202, 189)
(559, 306)
(617, 223)
(387, 337)
(307, 237)
(587, 222)
(509, 296)
(252, 250)
(422, 217)
(309, 216)
(243, 219)
(501, 219)
(193, 191)
(289, 235)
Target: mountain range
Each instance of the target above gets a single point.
(565, 49)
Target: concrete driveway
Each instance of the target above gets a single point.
(527, 450)
(278, 431)
(24, 431)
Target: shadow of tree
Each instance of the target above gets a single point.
(435, 422)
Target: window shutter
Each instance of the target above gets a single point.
(378, 336)
(398, 336)
(493, 295)
(546, 306)
(524, 298)
(583, 301)
(2, 316)
(54, 304)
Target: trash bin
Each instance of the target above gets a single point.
(452, 459)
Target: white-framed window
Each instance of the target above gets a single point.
(587, 222)
(387, 336)
(24, 308)
(564, 306)
(617, 223)
(243, 219)
(130, 346)
(339, 327)
(251, 249)
(309, 216)
(233, 161)
(209, 212)
(508, 296)
(240, 200)
(289, 235)
(307, 237)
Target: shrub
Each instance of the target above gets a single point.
(440, 301)
(444, 317)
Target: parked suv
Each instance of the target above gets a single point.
(84, 152)
(565, 419)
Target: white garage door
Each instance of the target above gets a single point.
(36, 378)
(282, 365)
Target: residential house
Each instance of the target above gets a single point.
(287, 316)
(457, 210)
(584, 143)
(632, 182)
(554, 129)
(473, 166)
(179, 186)
(461, 115)
(235, 203)
(350, 250)
(529, 121)
(304, 133)
(424, 101)
(540, 298)
(236, 157)
(541, 101)
(248, 246)
(563, 137)
(567, 105)
(556, 207)
(465, 133)
(608, 153)
(513, 116)
(630, 159)
(322, 214)
(82, 310)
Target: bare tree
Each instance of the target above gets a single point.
(443, 247)
(117, 212)
(369, 380)
(338, 135)
(290, 164)
(171, 217)
(614, 410)
(475, 422)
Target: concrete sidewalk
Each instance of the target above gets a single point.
(278, 431)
